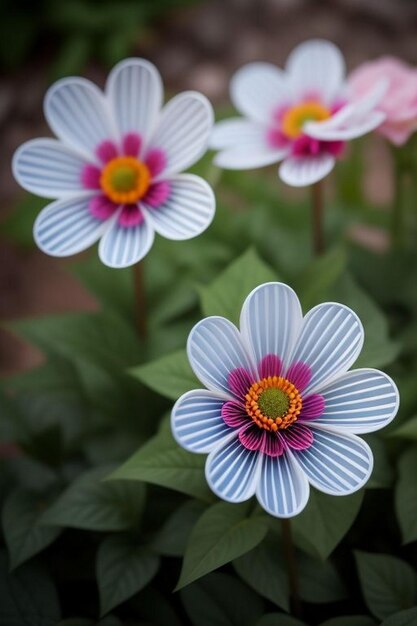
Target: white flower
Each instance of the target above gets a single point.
(281, 410)
(115, 168)
(302, 116)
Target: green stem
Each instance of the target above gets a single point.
(317, 209)
(291, 566)
(140, 299)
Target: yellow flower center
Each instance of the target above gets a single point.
(125, 180)
(273, 403)
(295, 118)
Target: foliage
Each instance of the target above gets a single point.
(104, 515)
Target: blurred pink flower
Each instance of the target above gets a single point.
(400, 100)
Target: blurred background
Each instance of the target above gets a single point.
(196, 45)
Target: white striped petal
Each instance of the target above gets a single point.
(258, 89)
(66, 227)
(283, 488)
(232, 471)
(214, 350)
(78, 114)
(183, 130)
(329, 343)
(336, 464)
(48, 168)
(317, 68)
(361, 401)
(123, 246)
(188, 210)
(196, 421)
(300, 171)
(135, 93)
(271, 320)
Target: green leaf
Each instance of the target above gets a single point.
(278, 619)
(388, 584)
(172, 538)
(24, 536)
(18, 225)
(264, 569)
(319, 581)
(382, 476)
(155, 608)
(403, 618)
(406, 495)
(123, 569)
(350, 620)
(320, 276)
(222, 600)
(171, 375)
(92, 503)
(27, 596)
(161, 461)
(224, 532)
(325, 521)
(407, 430)
(226, 294)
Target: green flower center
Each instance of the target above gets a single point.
(274, 402)
(124, 178)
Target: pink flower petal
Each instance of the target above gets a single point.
(254, 438)
(157, 194)
(131, 144)
(106, 151)
(299, 374)
(131, 215)
(270, 365)
(297, 437)
(234, 415)
(90, 177)
(313, 407)
(239, 381)
(101, 207)
(156, 161)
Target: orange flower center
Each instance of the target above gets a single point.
(125, 180)
(295, 117)
(273, 403)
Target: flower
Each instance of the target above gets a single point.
(302, 117)
(116, 165)
(399, 102)
(281, 410)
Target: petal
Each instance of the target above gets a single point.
(297, 436)
(313, 407)
(47, 168)
(234, 414)
(360, 401)
(254, 438)
(135, 92)
(303, 171)
(329, 343)
(258, 89)
(123, 246)
(78, 114)
(196, 421)
(283, 488)
(270, 365)
(270, 321)
(186, 212)
(239, 381)
(316, 67)
(66, 227)
(336, 464)
(183, 130)
(214, 350)
(299, 374)
(232, 471)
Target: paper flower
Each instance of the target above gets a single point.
(302, 116)
(115, 166)
(400, 101)
(281, 410)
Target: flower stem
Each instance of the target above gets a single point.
(140, 299)
(291, 566)
(317, 217)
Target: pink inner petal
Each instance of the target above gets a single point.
(239, 381)
(270, 365)
(297, 437)
(305, 146)
(106, 151)
(299, 374)
(254, 438)
(130, 216)
(234, 415)
(156, 161)
(131, 144)
(276, 139)
(101, 207)
(90, 177)
(157, 194)
(272, 444)
(313, 407)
